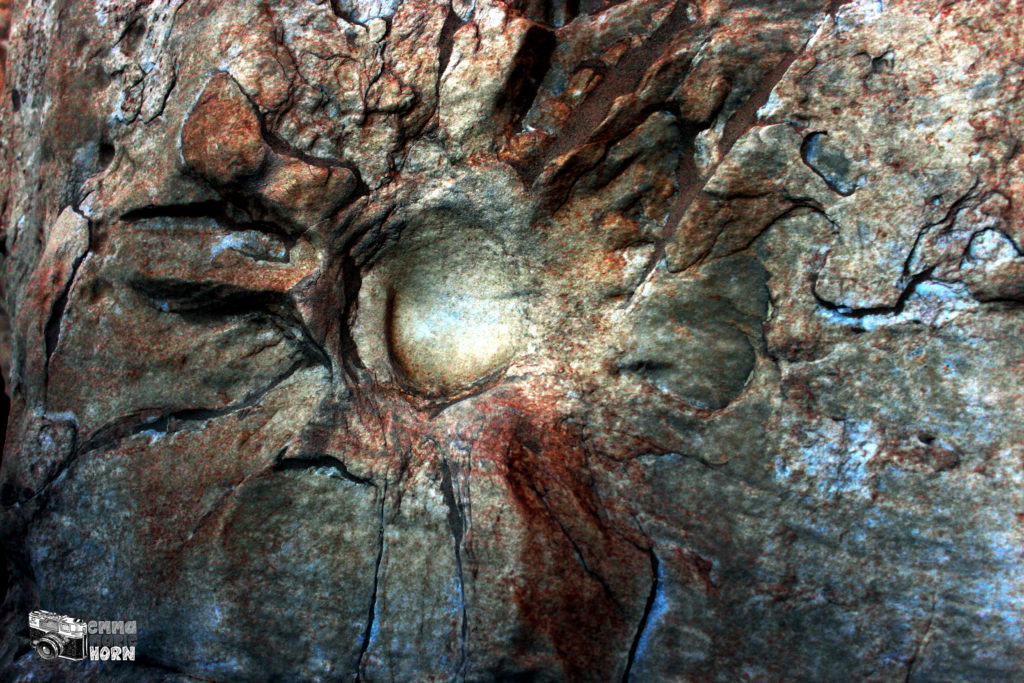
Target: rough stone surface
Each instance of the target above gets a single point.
(424, 340)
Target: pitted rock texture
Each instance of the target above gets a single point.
(422, 340)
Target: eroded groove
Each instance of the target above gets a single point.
(799, 204)
(211, 512)
(690, 182)
(166, 96)
(645, 619)
(811, 155)
(218, 505)
(563, 183)
(207, 299)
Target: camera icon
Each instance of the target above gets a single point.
(57, 635)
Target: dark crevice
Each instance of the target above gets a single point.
(596, 6)
(224, 214)
(367, 237)
(912, 661)
(51, 332)
(457, 524)
(204, 302)
(208, 299)
(946, 221)
(299, 334)
(863, 312)
(1006, 303)
(282, 147)
(364, 644)
(883, 62)
(351, 282)
(593, 64)
(112, 433)
(435, 404)
(330, 465)
(166, 95)
(446, 41)
(577, 551)
(646, 617)
(286, 149)
(622, 79)
(105, 154)
(131, 35)
(829, 165)
(531, 65)
(213, 209)
(338, 11)
(800, 204)
(211, 512)
(554, 13)
(834, 5)
(115, 432)
(691, 182)
(645, 365)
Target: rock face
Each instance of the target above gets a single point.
(423, 340)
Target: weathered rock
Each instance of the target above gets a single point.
(221, 138)
(420, 340)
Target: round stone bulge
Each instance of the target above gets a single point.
(455, 309)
